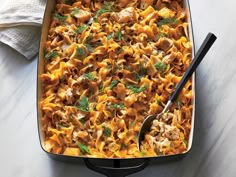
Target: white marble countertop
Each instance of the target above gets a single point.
(213, 153)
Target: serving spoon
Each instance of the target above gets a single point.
(206, 45)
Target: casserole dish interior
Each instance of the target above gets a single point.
(40, 91)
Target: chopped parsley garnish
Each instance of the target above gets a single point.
(89, 47)
(113, 84)
(109, 66)
(143, 70)
(98, 43)
(110, 36)
(117, 106)
(83, 148)
(107, 131)
(67, 1)
(107, 7)
(137, 76)
(89, 38)
(119, 50)
(119, 67)
(185, 142)
(89, 76)
(135, 89)
(143, 153)
(59, 125)
(80, 29)
(82, 120)
(74, 11)
(160, 35)
(60, 17)
(101, 88)
(119, 35)
(160, 66)
(123, 146)
(122, 106)
(80, 51)
(44, 51)
(159, 102)
(83, 104)
(52, 54)
(167, 21)
(133, 123)
(179, 104)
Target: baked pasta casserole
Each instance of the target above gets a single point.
(107, 65)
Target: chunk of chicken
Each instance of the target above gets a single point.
(165, 44)
(166, 13)
(83, 16)
(172, 132)
(126, 15)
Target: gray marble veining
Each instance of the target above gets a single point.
(213, 153)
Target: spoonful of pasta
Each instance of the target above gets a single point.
(206, 45)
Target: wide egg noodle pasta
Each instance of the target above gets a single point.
(109, 64)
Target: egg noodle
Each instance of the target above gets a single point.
(109, 64)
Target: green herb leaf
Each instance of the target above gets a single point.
(98, 43)
(133, 123)
(83, 104)
(160, 66)
(185, 142)
(80, 51)
(143, 153)
(107, 7)
(143, 70)
(160, 35)
(159, 102)
(89, 47)
(59, 125)
(89, 76)
(80, 29)
(179, 104)
(44, 51)
(67, 2)
(123, 146)
(82, 120)
(107, 131)
(110, 36)
(52, 54)
(119, 35)
(89, 38)
(74, 11)
(122, 106)
(167, 21)
(135, 89)
(137, 76)
(60, 17)
(119, 50)
(113, 84)
(83, 148)
(101, 90)
(109, 66)
(117, 106)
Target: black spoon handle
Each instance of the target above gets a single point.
(208, 42)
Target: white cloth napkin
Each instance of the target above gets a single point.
(20, 22)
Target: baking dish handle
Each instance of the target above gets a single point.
(116, 171)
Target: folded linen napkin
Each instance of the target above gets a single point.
(20, 23)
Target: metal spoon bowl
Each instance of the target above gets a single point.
(206, 45)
